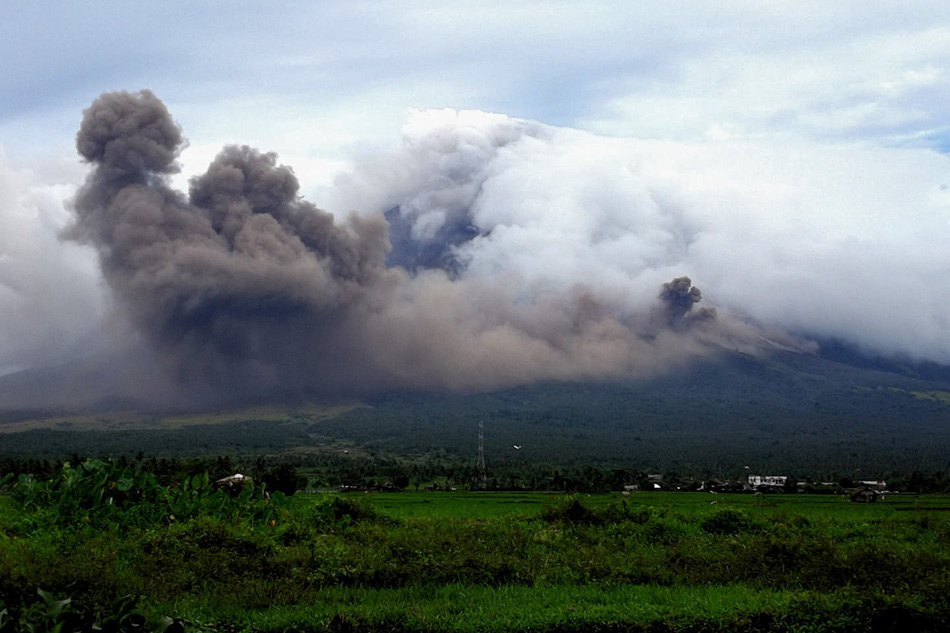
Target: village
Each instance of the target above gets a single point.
(867, 491)
(863, 491)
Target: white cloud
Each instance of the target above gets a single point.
(342, 71)
(845, 240)
(50, 296)
(883, 86)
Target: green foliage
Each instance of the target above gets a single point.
(60, 615)
(570, 510)
(659, 562)
(343, 510)
(730, 521)
(98, 494)
(573, 510)
(284, 479)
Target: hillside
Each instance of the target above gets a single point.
(787, 411)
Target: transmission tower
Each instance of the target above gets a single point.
(480, 463)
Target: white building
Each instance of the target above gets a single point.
(767, 480)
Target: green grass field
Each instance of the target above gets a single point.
(487, 505)
(468, 561)
(478, 608)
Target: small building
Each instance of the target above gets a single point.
(864, 495)
(769, 481)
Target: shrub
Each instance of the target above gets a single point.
(344, 510)
(99, 494)
(61, 615)
(621, 512)
(730, 521)
(571, 510)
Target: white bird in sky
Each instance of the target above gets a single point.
(517, 447)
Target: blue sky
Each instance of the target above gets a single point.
(347, 71)
(776, 107)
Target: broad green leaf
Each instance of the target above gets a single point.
(53, 606)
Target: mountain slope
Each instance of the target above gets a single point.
(785, 411)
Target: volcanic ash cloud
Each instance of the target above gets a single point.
(241, 287)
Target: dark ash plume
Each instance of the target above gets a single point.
(678, 297)
(244, 288)
(229, 284)
(128, 134)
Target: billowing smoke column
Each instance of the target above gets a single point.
(244, 288)
(678, 298)
(236, 286)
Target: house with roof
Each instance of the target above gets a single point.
(767, 481)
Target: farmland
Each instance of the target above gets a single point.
(484, 505)
(125, 549)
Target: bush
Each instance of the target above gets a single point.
(100, 494)
(621, 512)
(570, 511)
(730, 521)
(573, 510)
(62, 615)
(341, 511)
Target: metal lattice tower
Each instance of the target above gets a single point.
(480, 463)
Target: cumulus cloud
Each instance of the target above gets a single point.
(865, 83)
(50, 297)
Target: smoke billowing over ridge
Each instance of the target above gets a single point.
(842, 241)
(242, 287)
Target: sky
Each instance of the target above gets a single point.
(789, 157)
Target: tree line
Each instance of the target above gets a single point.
(288, 474)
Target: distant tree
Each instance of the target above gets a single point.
(284, 478)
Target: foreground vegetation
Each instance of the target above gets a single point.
(110, 546)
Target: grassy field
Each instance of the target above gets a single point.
(486, 505)
(478, 608)
(120, 547)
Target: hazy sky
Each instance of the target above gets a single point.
(790, 157)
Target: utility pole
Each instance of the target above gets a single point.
(482, 473)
